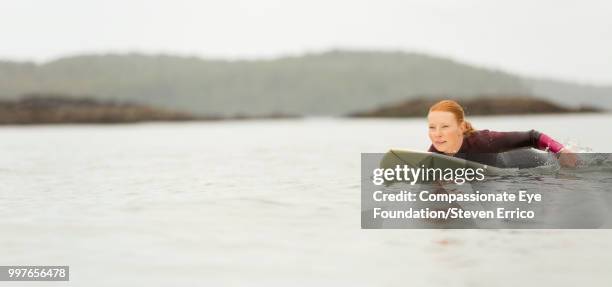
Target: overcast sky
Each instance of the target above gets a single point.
(569, 40)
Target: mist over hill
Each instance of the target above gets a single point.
(572, 94)
(331, 83)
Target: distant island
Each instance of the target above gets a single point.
(332, 83)
(500, 105)
(54, 109)
(58, 108)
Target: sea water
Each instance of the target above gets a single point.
(261, 203)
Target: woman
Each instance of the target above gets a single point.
(452, 135)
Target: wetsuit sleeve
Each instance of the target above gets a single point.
(547, 143)
(504, 141)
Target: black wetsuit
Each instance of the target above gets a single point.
(483, 146)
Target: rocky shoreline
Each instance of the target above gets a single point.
(478, 106)
(56, 109)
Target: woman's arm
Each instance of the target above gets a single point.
(547, 143)
(495, 142)
(504, 141)
(567, 158)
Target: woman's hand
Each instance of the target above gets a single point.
(567, 158)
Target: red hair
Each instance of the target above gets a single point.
(456, 109)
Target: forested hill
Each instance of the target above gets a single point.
(331, 83)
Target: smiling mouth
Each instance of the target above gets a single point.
(440, 142)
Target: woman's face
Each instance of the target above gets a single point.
(445, 133)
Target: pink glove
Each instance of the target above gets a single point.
(547, 143)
